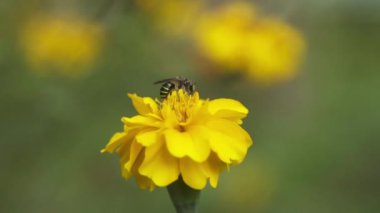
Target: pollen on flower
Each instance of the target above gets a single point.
(181, 103)
(181, 136)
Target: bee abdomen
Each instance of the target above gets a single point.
(166, 89)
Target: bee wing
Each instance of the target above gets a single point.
(174, 80)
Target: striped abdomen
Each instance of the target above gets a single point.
(166, 89)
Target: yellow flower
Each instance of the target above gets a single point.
(172, 17)
(182, 136)
(67, 44)
(273, 51)
(220, 34)
(236, 37)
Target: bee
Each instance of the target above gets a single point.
(174, 84)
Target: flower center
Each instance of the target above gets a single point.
(181, 104)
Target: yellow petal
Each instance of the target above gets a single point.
(125, 173)
(141, 121)
(178, 143)
(135, 158)
(212, 168)
(198, 114)
(145, 182)
(159, 165)
(124, 153)
(130, 166)
(169, 116)
(228, 109)
(228, 140)
(144, 105)
(148, 137)
(116, 140)
(181, 144)
(200, 138)
(193, 174)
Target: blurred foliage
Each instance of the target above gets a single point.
(316, 137)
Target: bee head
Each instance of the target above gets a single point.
(190, 86)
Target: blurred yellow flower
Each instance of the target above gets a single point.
(236, 38)
(172, 17)
(220, 34)
(273, 51)
(67, 44)
(182, 136)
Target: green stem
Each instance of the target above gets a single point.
(184, 198)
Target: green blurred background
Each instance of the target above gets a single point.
(316, 137)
